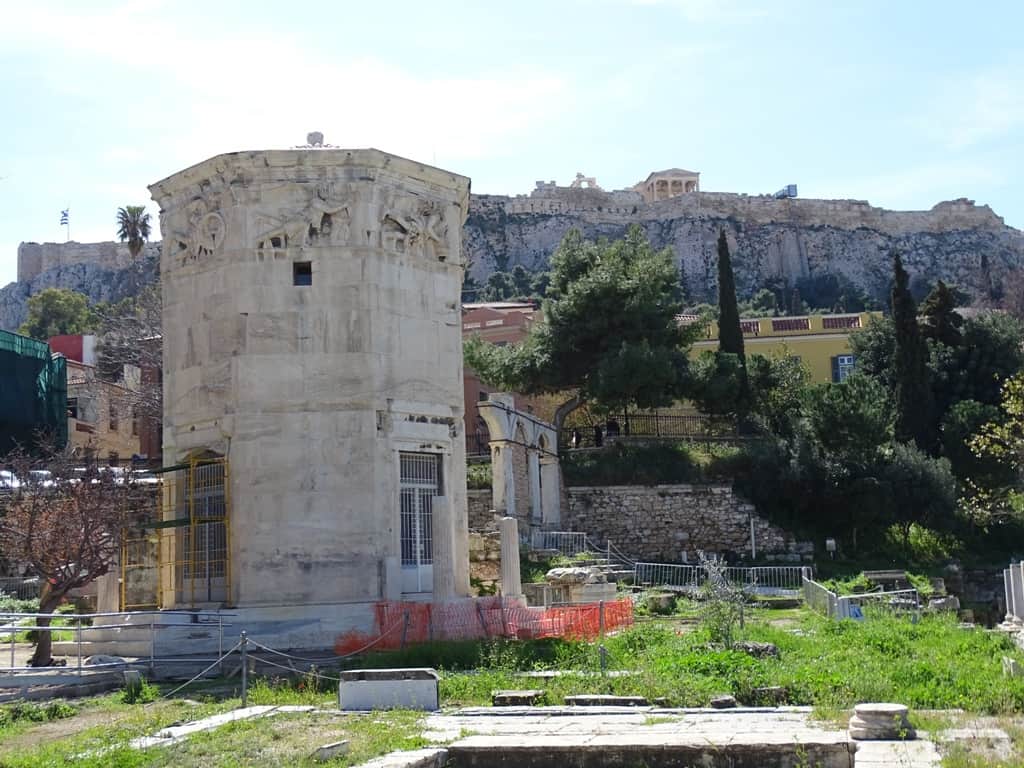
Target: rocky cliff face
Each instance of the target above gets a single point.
(957, 241)
(98, 281)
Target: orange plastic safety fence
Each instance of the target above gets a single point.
(399, 624)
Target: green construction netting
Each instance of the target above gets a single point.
(33, 392)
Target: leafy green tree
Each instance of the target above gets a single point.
(874, 346)
(920, 489)
(499, 287)
(539, 284)
(764, 303)
(778, 387)
(850, 421)
(769, 389)
(57, 311)
(938, 316)
(1003, 439)
(910, 366)
(833, 292)
(717, 384)
(730, 335)
(991, 353)
(959, 425)
(133, 227)
(610, 335)
(522, 281)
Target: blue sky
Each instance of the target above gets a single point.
(904, 103)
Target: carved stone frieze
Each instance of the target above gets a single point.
(196, 233)
(415, 227)
(325, 219)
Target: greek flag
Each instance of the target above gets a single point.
(64, 216)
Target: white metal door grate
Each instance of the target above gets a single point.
(420, 482)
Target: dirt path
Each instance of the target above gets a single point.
(56, 729)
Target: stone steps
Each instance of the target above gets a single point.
(654, 751)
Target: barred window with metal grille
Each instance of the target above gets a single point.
(419, 483)
(205, 555)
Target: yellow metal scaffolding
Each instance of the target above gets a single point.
(184, 560)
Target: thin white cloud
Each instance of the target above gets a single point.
(972, 110)
(255, 88)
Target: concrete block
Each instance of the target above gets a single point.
(362, 690)
(330, 751)
(525, 698)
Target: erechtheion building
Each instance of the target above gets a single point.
(313, 378)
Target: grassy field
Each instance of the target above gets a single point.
(931, 664)
(95, 733)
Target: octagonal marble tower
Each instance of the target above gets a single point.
(311, 316)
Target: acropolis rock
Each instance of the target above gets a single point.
(789, 238)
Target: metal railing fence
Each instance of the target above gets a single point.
(819, 598)
(84, 625)
(19, 587)
(568, 543)
(772, 580)
(828, 603)
(658, 424)
(896, 601)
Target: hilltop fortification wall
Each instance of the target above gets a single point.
(36, 258)
(753, 209)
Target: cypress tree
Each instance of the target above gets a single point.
(910, 365)
(730, 336)
(941, 321)
(685, 295)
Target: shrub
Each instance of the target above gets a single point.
(478, 476)
(632, 464)
(143, 693)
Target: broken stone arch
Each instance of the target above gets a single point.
(520, 441)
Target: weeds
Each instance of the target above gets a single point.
(143, 693)
(25, 711)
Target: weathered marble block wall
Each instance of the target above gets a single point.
(481, 507)
(659, 523)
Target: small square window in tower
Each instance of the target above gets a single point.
(302, 273)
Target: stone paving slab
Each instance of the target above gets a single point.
(897, 754)
(651, 732)
(417, 758)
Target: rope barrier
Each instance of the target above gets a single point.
(214, 664)
(334, 657)
(292, 669)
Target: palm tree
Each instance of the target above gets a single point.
(133, 226)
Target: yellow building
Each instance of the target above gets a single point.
(822, 342)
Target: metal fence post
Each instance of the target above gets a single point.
(600, 618)
(245, 670)
(152, 649)
(78, 627)
(220, 643)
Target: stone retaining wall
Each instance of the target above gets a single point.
(481, 507)
(667, 523)
(660, 522)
